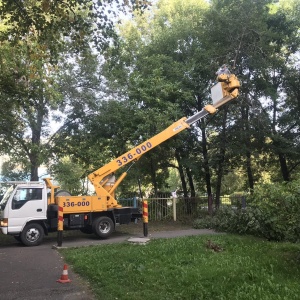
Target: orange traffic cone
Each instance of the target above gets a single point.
(64, 276)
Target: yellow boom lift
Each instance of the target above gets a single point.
(28, 211)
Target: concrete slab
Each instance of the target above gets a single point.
(138, 240)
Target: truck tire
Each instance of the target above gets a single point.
(32, 234)
(103, 227)
(87, 230)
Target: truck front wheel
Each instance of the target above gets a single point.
(103, 227)
(32, 234)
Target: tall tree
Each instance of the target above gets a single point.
(260, 51)
(160, 71)
(35, 36)
(166, 62)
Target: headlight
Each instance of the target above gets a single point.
(4, 222)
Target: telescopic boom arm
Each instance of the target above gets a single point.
(103, 179)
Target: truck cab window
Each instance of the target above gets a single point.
(23, 195)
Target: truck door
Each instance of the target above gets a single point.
(28, 203)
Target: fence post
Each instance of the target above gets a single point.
(145, 218)
(174, 209)
(135, 206)
(60, 225)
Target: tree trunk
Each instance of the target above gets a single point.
(181, 174)
(191, 202)
(153, 176)
(221, 160)
(35, 154)
(281, 156)
(205, 163)
(202, 127)
(283, 166)
(249, 171)
(191, 182)
(34, 176)
(245, 118)
(36, 125)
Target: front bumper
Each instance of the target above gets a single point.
(3, 230)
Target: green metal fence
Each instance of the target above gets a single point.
(169, 208)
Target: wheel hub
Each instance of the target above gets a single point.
(32, 235)
(104, 227)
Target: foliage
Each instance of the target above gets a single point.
(159, 65)
(262, 53)
(69, 176)
(246, 268)
(272, 212)
(204, 222)
(173, 182)
(169, 55)
(12, 171)
(68, 18)
(233, 181)
(38, 39)
(30, 96)
(28, 71)
(279, 207)
(239, 221)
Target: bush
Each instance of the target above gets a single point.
(206, 222)
(237, 199)
(278, 210)
(242, 221)
(272, 212)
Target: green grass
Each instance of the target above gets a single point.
(185, 268)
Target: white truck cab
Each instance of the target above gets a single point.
(24, 205)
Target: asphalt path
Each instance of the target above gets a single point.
(31, 273)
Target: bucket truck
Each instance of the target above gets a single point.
(30, 210)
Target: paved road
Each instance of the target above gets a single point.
(30, 273)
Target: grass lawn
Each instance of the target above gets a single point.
(187, 268)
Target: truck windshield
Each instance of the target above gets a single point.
(6, 197)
